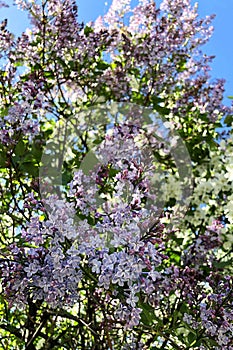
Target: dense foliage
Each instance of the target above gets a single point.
(116, 181)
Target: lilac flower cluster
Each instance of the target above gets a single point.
(152, 46)
(51, 267)
(16, 122)
(50, 274)
(116, 247)
(122, 249)
(210, 315)
(155, 50)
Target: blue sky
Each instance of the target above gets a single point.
(220, 45)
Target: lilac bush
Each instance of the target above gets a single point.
(131, 250)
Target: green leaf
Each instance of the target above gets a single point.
(148, 314)
(4, 112)
(175, 257)
(66, 177)
(30, 168)
(20, 148)
(48, 74)
(222, 264)
(101, 65)
(191, 338)
(88, 30)
(228, 120)
(162, 110)
(3, 159)
(29, 157)
(36, 67)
